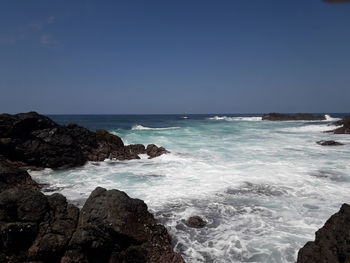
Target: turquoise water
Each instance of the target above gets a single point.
(264, 187)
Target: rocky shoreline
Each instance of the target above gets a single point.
(110, 227)
(345, 126)
(31, 139)
(331, 243)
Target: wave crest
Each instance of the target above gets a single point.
(235, 118)
(140, 127)
(329, 118)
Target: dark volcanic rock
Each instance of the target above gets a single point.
(155, 151)
(11, 176)
(331, 244)
(292, 117)
(195, 222)
(345, 129)
(137, 148)
(35, 140)
(116, 228)
(111, 227)
(34, 227)
(329, 143)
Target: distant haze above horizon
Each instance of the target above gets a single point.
(166, 57)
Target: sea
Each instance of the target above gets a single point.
(263, 187)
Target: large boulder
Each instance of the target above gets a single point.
(116, 228)
(274, 116)
(332, 242)
(35, 140)
(110, 228)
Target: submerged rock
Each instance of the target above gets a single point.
(35, 140)
(329, 143)
(331, 244)
(274, 116)
(195, 222)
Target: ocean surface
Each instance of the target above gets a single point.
(263, 187)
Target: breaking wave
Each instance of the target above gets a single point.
(329, 118)
(218, 118)
(140, 127)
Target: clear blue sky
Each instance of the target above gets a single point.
(179, 56)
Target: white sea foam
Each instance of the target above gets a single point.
(218, 118)
(140, 127)
(308, 128)
(329, 118)
(184, 117)
(235, 118)
(263, 189)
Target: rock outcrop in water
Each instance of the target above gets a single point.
(329, 143)
(35, 140)
(274, 116)
(195, 222)
(345, 126)
(111, 227)
(332, 242)
(155, 151)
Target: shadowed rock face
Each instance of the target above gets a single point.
(332, 242)
(34, 227)
(14, 177)
(36, 140)
(111, 227)
(292, 117)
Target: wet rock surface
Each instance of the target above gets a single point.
(35, 140)
(274, 116)
(329, 143)
(331, 244)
